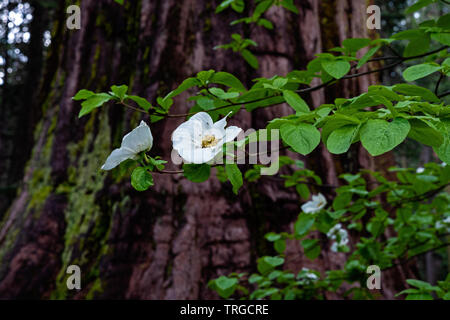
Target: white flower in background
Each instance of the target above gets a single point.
(334, 247)
(443, 164)
(310, 275)
(420, 170)
(199, 140)
(340, 235)
(443, 224)
(138, 140)
(317, 203)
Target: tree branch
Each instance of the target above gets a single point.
(306, 90)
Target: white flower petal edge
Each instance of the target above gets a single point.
(420, 170)
(138, 140)
(199, 140)
(339, 235)
(317, 203)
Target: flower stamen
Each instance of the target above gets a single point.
(209, 141)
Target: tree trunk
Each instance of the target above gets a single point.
(168, 242)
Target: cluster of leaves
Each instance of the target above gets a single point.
(424, 291)
(240, 44)
(414, 209)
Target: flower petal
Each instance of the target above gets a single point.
(189, 133)
(309, 207)
(222, 122)
(204, 118)
(116, 157)
(231, 133)
(139, 139)
(198, 155)
(183, 137)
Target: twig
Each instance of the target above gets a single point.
(446, 93)
(436, 89)
(131, 107)
(306, 90)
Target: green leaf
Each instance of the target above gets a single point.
(278, 83)
(303, 137)
(273, 261)
(93, 102)
(119, 91)
(197, 172)
(340, 140)
(342, 200)
(367, 56)
(336, 68)
(265, 23)
(443, 151)
(444, 21)
(272, 236)
(280, 245)
(420, 284)
(261, 8)
(221, 94)
(223, 5)
(419, 296)
(83, 94)
(420, 71)
(250, 58)
(289, 5)
(412, 90)
(295, 101)
(442, 37)
(425, 134)
(185, 85)
(224, 283)
(303, 191)
(418, 5)
(311, 248)
(303, 223)
(141, 102)
(225, 286)
(234, 175)
(238, 5)
(119, 2)
(227, 79)
(355, 44)
(379, 136)
(264, 95)
(417, 45)
(141, 179)
(205, 75)
(206, 103)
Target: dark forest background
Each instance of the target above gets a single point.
(57, 208)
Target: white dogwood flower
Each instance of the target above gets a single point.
(315, 205)
(340, 236)
(199, 140)
(138, 140)
(420, 170)
(443, 224)
(310, 275)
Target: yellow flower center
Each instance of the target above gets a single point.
(209, 141)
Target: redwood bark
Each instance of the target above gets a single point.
(168, 242)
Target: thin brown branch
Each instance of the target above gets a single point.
(131, 107)
(436, 88)
(306, 90)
